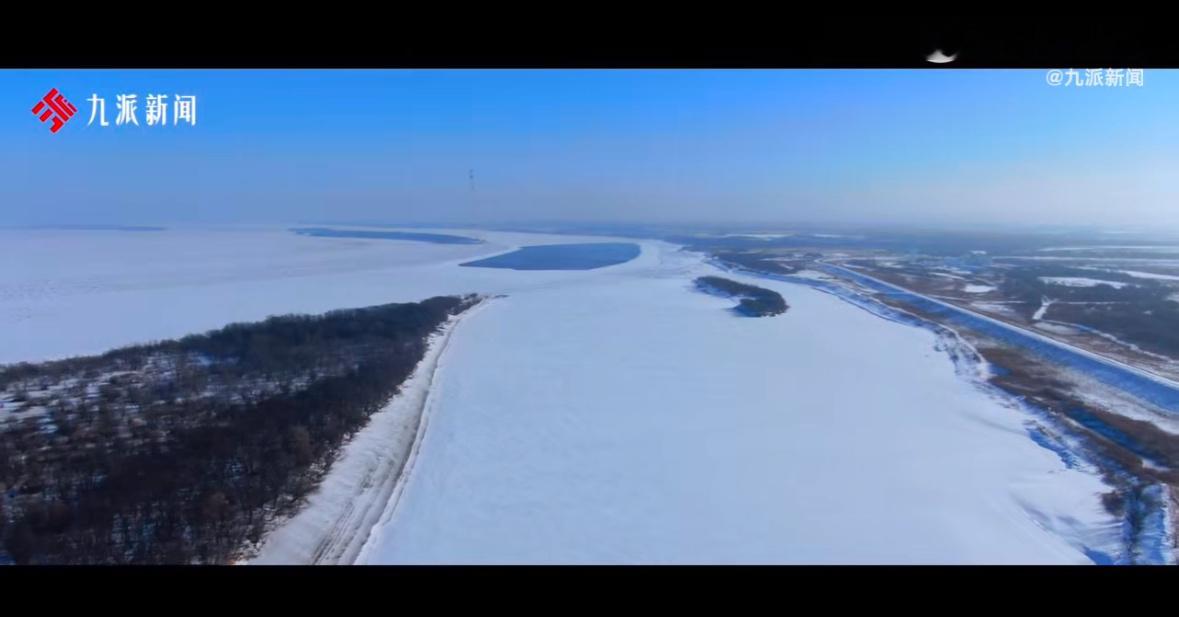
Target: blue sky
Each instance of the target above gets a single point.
(940, 146)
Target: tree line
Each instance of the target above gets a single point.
(186, 461)
(754, 301)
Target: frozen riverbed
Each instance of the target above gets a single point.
(626, 419)
(613, 415)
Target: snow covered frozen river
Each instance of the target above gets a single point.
(613, 415)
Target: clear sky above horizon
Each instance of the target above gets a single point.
(935, 146)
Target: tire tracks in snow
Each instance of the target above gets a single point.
(336, 526)
(389, 506)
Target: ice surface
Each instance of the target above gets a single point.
(66, 293)
(600, 416)
(627, 420)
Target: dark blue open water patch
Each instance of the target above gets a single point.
(562, 257)
(413, 236)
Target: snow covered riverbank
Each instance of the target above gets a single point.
(334, 523)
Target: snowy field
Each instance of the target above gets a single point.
(1145, 275)
(601, 416)
(1076, 281)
